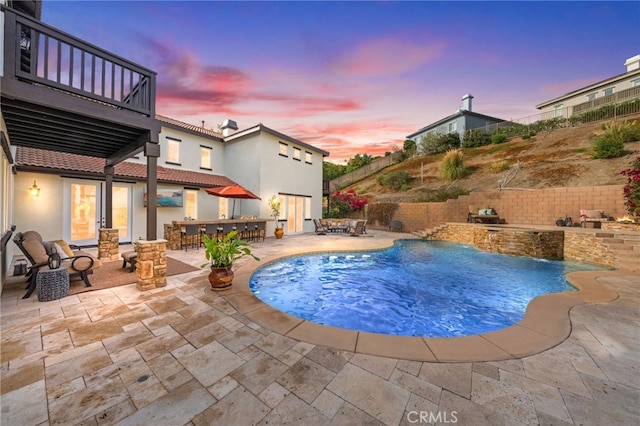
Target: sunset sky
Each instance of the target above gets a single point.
(356, 77)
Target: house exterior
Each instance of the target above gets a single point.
(464, 119)
(191, 159)
(97, 155)
(620, 88)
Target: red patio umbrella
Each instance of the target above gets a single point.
(232, 191)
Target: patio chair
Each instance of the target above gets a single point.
(396, 226)
(76, 262)
(594, 216)
(320, 228)
(482, 215)
(355, 231)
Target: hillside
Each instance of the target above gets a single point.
(559, 158)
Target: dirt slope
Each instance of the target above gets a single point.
(559, 158)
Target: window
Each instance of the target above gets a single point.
(296, 154)
(608, 91)
(307, 157)
(173, 150)
(191, 204)
(307, 207)
(592, 97)
(635, 83)
(557, 110)
(453, 126)
(284, 149)
(205, 157)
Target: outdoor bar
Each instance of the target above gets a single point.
(173, 230)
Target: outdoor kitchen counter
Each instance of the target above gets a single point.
(172, 230)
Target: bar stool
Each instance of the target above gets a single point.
(226, 228)
(190, 237)
(260, 231)
(210, 229)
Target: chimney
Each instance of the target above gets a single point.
(466, 102)
(632, 63)
(228, 127)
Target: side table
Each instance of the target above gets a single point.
(52, 284)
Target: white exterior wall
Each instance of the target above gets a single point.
(581, 96)
(254, 162)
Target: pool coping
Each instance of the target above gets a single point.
(546, 322)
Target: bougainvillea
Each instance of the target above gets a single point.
(631, 190)
(345, 202)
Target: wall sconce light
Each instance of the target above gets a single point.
(34, 190)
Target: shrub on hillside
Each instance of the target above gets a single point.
(452, 166)
(498, 138)
(606, 147)
(399, 180)
(499, 166)
(434, 143)
(441, 195)
(473, 138)
(611, 143)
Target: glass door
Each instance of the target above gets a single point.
(295, 219)
(84, 211)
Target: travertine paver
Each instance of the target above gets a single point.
(185, 355)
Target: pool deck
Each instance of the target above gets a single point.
(184, 354)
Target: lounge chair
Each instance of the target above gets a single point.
(78, 263)
(320, 228)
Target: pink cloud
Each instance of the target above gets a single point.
(388, 56)
(559, 89)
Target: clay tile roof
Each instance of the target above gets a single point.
(56, 162)
(197, 129)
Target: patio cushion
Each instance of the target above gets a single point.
(594, 214)
(65, 247)
(36, 249)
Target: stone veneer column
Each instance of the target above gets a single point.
(172, 235)
(151, 264)
(108, 244)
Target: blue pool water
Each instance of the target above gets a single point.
(415, 288)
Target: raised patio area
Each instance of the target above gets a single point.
(184, 354)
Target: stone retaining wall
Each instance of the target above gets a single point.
(542, 244)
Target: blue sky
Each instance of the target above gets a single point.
(357, 77)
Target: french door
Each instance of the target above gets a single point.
(84, 210)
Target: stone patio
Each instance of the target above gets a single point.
(184, 354)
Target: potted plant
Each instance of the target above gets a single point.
(274, 205)
(220, 255)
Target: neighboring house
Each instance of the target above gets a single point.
(464, 119)
(620, 88)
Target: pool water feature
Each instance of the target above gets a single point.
(415, 288)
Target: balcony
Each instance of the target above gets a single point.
(61, 93)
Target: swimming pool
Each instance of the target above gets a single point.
(415, 288)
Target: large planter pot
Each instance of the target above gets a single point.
(221, 278)
(279, 232)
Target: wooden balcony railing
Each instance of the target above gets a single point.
(49, 57)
